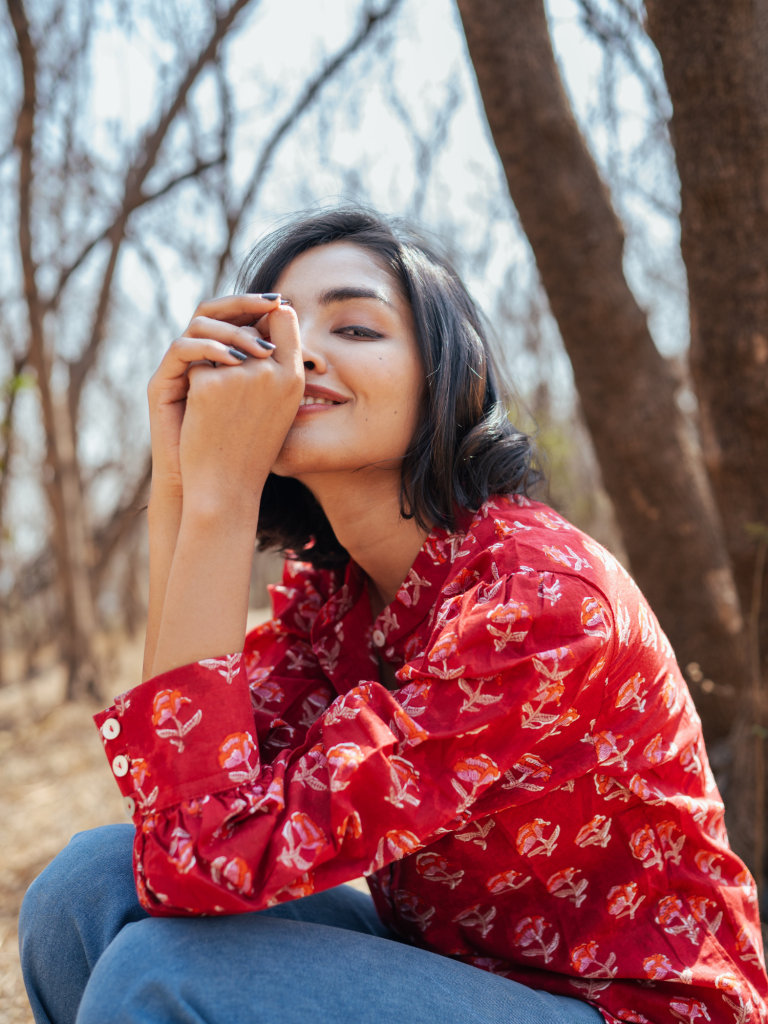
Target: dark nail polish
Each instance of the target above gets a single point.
(237, 353)
(270, 296)
(285, 302)
(266, 344)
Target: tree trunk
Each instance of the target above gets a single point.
(651, 462)
(716, 71)
(714, 54)
(6, 451)
(74, 566)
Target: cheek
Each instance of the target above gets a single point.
(392, 392)
(389, 391)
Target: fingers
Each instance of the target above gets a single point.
(239, 310)
(247, 339)
(281, 327)
(201, 372)
(184, 351)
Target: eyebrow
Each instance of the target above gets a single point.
(332, 295)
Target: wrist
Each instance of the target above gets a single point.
(213, 510)
(166, 489)
(164, 516)
(206, 601)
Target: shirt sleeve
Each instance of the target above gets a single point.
(491, 713)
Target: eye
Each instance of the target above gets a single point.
(356, 331)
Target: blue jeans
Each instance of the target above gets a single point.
(90, 954)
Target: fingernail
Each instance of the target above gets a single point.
(285, 302)
(266, 344)
(237, 353)
(270, 296)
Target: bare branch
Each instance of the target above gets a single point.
(40, 572)
(427, 148)
(25, 128)
(121, 522)
(313, 88)
(162, 300)
(133, 194)
(144, 199)
(6, 430)
(23, 141)
(612, 35)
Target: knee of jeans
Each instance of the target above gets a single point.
(138, 975)
(93, 866)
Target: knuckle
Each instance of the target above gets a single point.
(197, 324)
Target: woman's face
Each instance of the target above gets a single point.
(364, 377)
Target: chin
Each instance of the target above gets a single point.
(297, 459)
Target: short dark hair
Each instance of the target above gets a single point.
(465, 448)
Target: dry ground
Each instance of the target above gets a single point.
(54, 782)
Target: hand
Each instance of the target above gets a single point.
(237, 417)
(216, 326)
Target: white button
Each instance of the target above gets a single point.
(110, 729)
(378, 638)
(120, 766)
(130, 806)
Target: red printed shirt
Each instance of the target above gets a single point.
(535, 800)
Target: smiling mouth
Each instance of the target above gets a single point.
(315, 400)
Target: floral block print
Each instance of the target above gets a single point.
(534, 800)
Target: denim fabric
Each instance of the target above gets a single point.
(91, 955)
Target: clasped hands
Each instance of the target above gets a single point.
(216, 431)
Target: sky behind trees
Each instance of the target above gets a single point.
(400, 127)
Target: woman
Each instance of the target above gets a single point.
(460, 696)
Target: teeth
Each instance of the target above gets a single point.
(311, 400)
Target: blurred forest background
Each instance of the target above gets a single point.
(620, 252)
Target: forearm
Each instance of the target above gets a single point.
(164, 517)
(206, 599)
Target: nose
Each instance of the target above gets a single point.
(312, 352)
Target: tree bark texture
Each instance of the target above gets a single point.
(715, 57)
(651, 462)
(79, 610)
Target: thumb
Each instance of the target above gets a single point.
(281, 327)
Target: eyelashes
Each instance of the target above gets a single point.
(357, 331)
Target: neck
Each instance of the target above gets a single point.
(364, 510)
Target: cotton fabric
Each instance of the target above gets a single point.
(534, 800)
